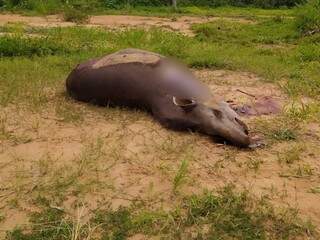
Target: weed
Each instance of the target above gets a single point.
(14, 27)
(89, 156)
(230, 155)
(68, 112)
(303, 112)
(308, 19)
(71, 14)
(304, 170)
(278, 19)
(301, 171)
(279, 129)
(18, 45)
(254, 163)
(117, 224)
(2, 217)
(14, 203)
(291, 155)
(315, 190)
(4, 134)
(285, 134)
(10, 135)
(180, 175)
(308, 52)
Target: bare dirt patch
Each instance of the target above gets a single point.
(119, 155)
(181, 24)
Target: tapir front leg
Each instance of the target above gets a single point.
(171, 116)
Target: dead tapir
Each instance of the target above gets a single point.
(169, 90)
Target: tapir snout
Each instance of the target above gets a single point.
(229, 125)
(216, 119)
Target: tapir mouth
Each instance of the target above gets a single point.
(237, 133)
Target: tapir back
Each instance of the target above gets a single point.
(133, 77)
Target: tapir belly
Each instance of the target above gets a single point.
(125, 84)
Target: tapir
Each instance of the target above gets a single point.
(160, 84)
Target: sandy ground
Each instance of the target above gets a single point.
(181, 24)
(119, 155)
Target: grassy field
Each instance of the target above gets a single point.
(250, 11)
(270, 48)
(75, 171)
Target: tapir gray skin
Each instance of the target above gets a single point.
(169, 90)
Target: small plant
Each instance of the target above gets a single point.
(71, 14)
(181, 175)
(89, 155)
(309, 52)
(308, 18)
(304, 170)
(315, 190)
(116, 224)
(304, 112)
(174, 19)
(2, 217)
(279, 129)
(278, 19)
(284, 134)
(68, 112)
(254, 163)
(19, 45)
(291, 155)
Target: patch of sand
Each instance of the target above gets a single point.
(181, 24)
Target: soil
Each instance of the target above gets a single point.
(181, 24)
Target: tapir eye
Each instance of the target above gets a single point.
(217, 113)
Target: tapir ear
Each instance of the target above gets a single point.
(184, 103)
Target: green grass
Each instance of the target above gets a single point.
(270, 48)
(38, 7)
(226, 214)
(245, 12)
(308, 18)
(18, 45)
(281, 128)
(75, 15)
(180, 175)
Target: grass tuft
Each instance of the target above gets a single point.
(308, 18)
(226, 214)
(291, 155)
(71, 14)
(180, 175)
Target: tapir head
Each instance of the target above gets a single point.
(216, 118)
